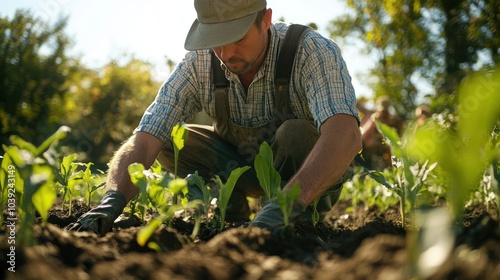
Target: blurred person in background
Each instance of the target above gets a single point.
(376, 155)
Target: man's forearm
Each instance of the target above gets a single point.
(140, 148)
(338, 144)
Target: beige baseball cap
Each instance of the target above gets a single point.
(221, 22)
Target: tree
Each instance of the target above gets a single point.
(34, 74)
(105, 107)
(437, 41)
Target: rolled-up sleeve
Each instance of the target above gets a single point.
(326, 81)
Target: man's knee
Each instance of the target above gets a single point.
(292, 142)
(296, 135)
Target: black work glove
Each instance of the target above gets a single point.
(271, 217)
(100, 219)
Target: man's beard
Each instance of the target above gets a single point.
(245, 66)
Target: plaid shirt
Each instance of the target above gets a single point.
(320, 87)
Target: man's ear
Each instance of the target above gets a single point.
(268, 16)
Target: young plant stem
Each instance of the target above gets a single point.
(403, 199)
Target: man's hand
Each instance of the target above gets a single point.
(271, 217)
(101, 218)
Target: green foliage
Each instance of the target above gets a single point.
(34, 185)
(270, 181)
(92, 182)
(146, 232)
(167, 211)
(42, 88)
(105, 106)
(34, 74)
(198, 181)
(409, 173)
(158, 181)
(364, 190)
(225, 191)
(269, 178)
(286, 200)
(67, 177)
(43, 199)
(466, 151)
(420, 41)
(179, 136)
(156, 187)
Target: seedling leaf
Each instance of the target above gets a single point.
(226, 190)
(22, 144)
(286, 200)
(58, 135)
(179, 135)
(43, 199)
(269, 178)
(146, 232)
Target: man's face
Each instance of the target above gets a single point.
(248, 53)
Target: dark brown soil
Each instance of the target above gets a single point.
(363, 244)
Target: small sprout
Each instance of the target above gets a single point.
(136, 172)
(198, 181)
(179, 137)
(226, 190)
(269, 178)
(286, 200)
(410, 175)
(166, 216)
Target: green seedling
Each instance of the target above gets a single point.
(466, 151)
(157, 183)
(67, 176)
(151, 183)
(90, 181)
(179, 136)
(167, 212)
(198, 181)
(225, 191)
(147, 231)
(286, 200)
(35, 168)
(410, 175)
(269, 178)
(9, 179)
(156, 188)
(362, 189)
(43, 199)
(139, 179)
(270, 181)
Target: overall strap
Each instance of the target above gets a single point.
(286, 57)
(218, 76)
(221, 84)
(283, 73)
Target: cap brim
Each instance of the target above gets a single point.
(210, 35)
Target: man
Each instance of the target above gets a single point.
(313, 129)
